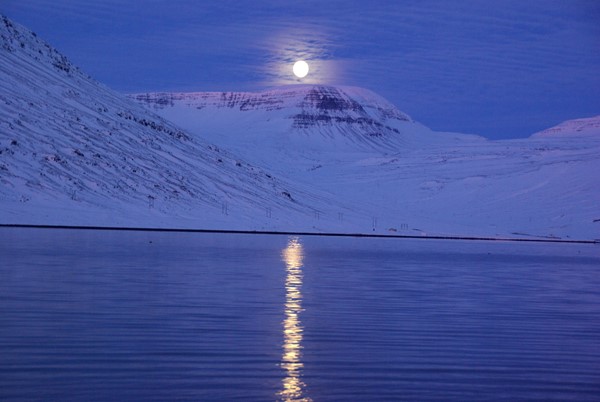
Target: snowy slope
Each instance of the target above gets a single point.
(573, 128)
(74, 152)
(359, 147)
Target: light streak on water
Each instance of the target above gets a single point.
(293, 386)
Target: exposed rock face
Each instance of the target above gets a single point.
(238, 100)
(332, 106)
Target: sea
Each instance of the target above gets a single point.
(88, 315)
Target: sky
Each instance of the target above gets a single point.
(501, 69)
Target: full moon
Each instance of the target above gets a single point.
(300, 68)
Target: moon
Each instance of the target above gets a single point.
(300, 68)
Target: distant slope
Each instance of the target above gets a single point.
(359, 147)
(572, 128)
(73, 151)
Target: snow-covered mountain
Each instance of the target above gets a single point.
(74, 152)
(306, 118)
(359, 147)
(346, 118)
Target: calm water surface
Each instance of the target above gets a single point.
(106, 316)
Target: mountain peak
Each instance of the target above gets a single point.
(328, 98)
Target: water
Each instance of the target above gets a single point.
(135, 316)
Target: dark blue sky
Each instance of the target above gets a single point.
(502, 69)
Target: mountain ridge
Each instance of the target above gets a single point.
(317, 95)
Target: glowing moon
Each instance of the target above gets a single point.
(300, 68)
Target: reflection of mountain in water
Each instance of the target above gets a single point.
(292, 327)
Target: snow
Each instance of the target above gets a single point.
(304, 158)
(579, 127)
(410, 179)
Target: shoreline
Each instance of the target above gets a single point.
(298, 233)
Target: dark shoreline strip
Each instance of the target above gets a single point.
(268, 232)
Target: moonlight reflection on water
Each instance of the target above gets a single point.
(292, 327)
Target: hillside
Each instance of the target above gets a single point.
(589, 127)
(75, 152)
